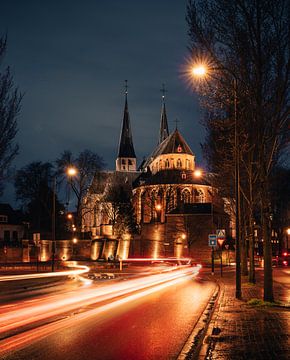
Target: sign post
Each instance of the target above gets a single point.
(221, 236)
(212, 241)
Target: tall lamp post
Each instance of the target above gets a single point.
(201, 71)
(53, 224)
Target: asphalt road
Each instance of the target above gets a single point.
(153, 324)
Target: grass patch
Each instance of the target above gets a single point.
(248, 284)
(260, 302)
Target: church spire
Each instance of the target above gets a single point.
(126, 160)
(163, 132)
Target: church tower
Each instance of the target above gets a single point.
(163, 132)
(126, 160)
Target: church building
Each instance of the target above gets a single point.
(174, 205)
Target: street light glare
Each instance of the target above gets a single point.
(71, 171)
(197, 173)
(158, 207)
(199, 71)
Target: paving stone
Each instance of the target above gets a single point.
(248, 332)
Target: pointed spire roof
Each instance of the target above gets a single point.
(163, 132)
(126, 148)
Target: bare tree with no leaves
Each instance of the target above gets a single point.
(10, 100)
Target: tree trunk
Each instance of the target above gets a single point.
(268, 276)
(252, 278)
(244, 257)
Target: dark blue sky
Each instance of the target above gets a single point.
(71, 58)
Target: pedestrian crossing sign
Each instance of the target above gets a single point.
(221, 233)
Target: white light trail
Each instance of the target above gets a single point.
(81, 269)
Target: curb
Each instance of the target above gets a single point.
(194, 343)
(212, 331)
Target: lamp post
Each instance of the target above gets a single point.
(53, 224)
(74, 241)
(201, 71)
(72, 171)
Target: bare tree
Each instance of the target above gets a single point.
(248, 41)
(87, 164)
(10, 100)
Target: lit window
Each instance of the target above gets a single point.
(183, 176)
(185, 196)
(199, 196)
(179, 148)
(179, 163)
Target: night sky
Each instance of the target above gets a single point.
(70, 58)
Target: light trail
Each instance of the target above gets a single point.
(21, 340)
(81, 269)
(29, 314)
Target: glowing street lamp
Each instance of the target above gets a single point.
(197, 173)
(71, 171)
(69, 216)
(158, 207)
(201, 71)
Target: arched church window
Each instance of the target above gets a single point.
(179, 163)
(183, 175)
(123, 161)
(187, 164)
(185, 196)
(130, 162)
(166, 163)
(200, 197)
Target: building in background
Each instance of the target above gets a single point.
(173, 207)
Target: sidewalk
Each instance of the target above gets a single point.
(239, 331)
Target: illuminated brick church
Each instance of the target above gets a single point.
(175, 208)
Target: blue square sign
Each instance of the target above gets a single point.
(212, 240)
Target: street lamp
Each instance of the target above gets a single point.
(201, 71)
(197, 173)
(288, 233)
(74, 241)
(53, 223)
(71, 171)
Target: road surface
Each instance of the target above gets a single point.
(146, 318)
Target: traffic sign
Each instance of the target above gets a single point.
(221, 233)
(212, 240)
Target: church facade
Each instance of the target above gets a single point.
(174, 206)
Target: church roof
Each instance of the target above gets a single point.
(174, 143)
(126, 148)
(168, 177)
